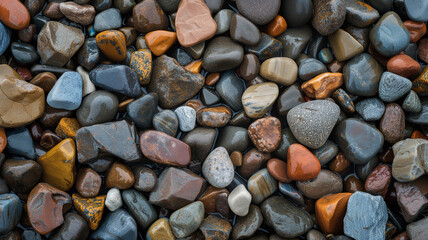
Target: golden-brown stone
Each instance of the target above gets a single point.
(67, 128)
(160, 230)
(90, 208)
(160, 41)
(323, 85)
(330, 211)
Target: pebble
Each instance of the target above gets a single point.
(329, 15)
(288, 99)
(410, 199)
(141, 62)
(378, 181)
(57, 43)
(281, 70)
(323, 85)
(231, 88)
(365, 221)
(88, 182)
(301, 163)
(370, 109)
(45, 80)
(358, 146)
(326, 55)
(344, 101)
(20, 143)
(67, 92)
(223, 19)
(142, 110)
(344, 46)
(252, 161)
(310, 68)
(145, 179)
(312, 122)
(210, 198)
(214, 117)
(416, 30)
(21, 175)
(277, 26)
(412, 103)
(297, 12)
(330, 211)
(24, 53)
(295, 40)
(389, 36)
(45, 206)
(258, 99)
(289, 191)
(118, 224)
(49, 140)
(176, 188)
(222, 54)
(89, 54)
(52, 11)
(419, 118)
(91, 209)
(209, 97)
(360, 14)
(409, 163)
(257, 11)
(112, 44)
(88, 86)
(200, 141)
(166, 121)
(268, 47)
(265, 133)
(213, 227)
(363, 171)
(160, 230)
(327, 182)
(82, 14)
(423, 50)
(239, 201)
(392, 87)
(186, 118)
(362, 75)
(218, 168)
(261, 185)
(417, 230)
(287, 220)
(244, 31)
(148, 16)
(172, 83)
(187, 220)
(113, 200)
(74, 227)
(404, 66)
(326, 152)
(392, 123)
(420, 84)
(160, 41)
(246, 226)
(107, 20)
(119, 176)
(416, 9)
(136, 203)
(278, 169)
(98, 107)
(353, 184)
(116, 78)
(5, 36)
(339, 164)
(11, 207)
(14, 15)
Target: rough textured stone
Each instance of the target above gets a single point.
(258, 11)
(265, 133)
(91, 209)
(148, 16)
(409, 159)
(392, 87)
(329, 15)
(410, 199)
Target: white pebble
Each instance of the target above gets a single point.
(113, 200)
(87, 86)
(239, 200)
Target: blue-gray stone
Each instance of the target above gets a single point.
(67, 92)
(117, 225)
(140, 208)
(366, 217)
(417, 10)
(107, 20)
(186, 220)
(10, 212)
(230, 88)
(116, 78)
(412, 103)
(142, 110)
(166, 121)
(24, 53)
(311, 68)
(382, 6)
(20, 143)
(389, 36)
(422, 116)
(392, 86)
(268, 47)
(4, 38)
(370, 109)
(186, 118)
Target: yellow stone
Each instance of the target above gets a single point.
(58, 165)
(160, 230)
(282, 70)
(67, 128)
(90, 209)
(344, 46)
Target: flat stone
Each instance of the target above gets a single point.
(173, 83)
(365, 221)
(281, 70)
(222, 54)
(410, 199)
(417, 230)
(329, 15)
(148, 16)
(258, 11)
(140, 208)
(67, 92)
(261, 185)
(218, 168)
(98, 107)
(392, 87)
(11, 207)
(392, 123)
(268, 47)
(187, 220)
(74, 227)
(312, 122)
(91, 209)
(360, 14)
(265, 133)
(330, 211)
(21, 175)
(234, 139)
(246, 226)
(286, 219)
(370, 109)
(108, 139)
(119, 224)
(113, 200)
(244, 31)
(409, 159)
(344, 46)
(82, 14)
(327, 182)
(112, 44)
(213, 227)
(258, 99)
(57, 43)
(416, 9)
(239, 201)
(107, 19)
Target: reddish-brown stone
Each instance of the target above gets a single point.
(301, 163)
(195, 104)
(52, 11)
(208, 198)
(148, 16)
(423, 49)
(392, 124)
(277, 26)
(419, 134)
(353, 184)
(410, 199)
(278, 170)
(214, 116)
(387, 156)
(339, 163)
(119, 176)
(377, 182)
(45, 80)
(164, 149)
(416, 30)
(403, 65)
(401, 236)
(88, 182)
(27, 34)
(49, 139)
(212, 78)
(252, 161)
(265, 133)
(14, 14)
(323, 85)
(24, 73)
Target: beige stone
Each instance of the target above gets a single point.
(344, 46)
(410, 159)
(259, 98)
(282, 70)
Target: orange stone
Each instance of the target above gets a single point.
(194, 67)
(160, 41)
(301, 163)
(113, 44)
(67, 128)
(278, 170)
(323, 85)
(212, 78)
(208, 198)
(124, 105)
(3, 139)
(403, 65)
(14, 14)
(195, 104)
(415, 134)
(339, 163)
(91, 209)
(277, 26)
(416, 30)
(330, 211)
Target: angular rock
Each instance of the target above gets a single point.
(410, 199)
(142, 110)
(213, 227)
(21, 175)
(330, 211)
(74, 228)
(370, 109)
(116, 78)
(265, 133)
(20, 143)
(392, 87)
(67, 92)
(231, 88)
(140, 208)
(91, 209)
(329, 15)
(409, 159)
(119, 225)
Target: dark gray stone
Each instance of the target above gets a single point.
(98, 107)
(222, 54)
(234, 139)
(294, 41)
(144, 213)
(142, 110)
(311, 68)
(117, 225)
(230, 88)
(108, 20)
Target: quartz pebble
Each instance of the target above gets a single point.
(113, 199)
(239, 200)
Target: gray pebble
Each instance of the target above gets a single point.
(370, 109)
(186, 118)
(412, 103)
(392, 87)
(107, 20)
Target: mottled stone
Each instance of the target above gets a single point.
(91, 209)
(261, 185)
(213, 227)
(141, 62)
(323, 85)
(392, 123)
(82, 14)
(145, 179)
(268, 47)
(117, 225)
(148, 16)
(265, 133)
(412, 103)
(420, 84)
(218, 168)
(222, 54)
(410, 199)
(112, 44)
(344, 101)
(88, 182)
(329, 15)
(417, 230)
(370, 109)
(214, 117)
(360, 14)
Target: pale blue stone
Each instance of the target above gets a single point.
(107, 20)
(370, 109)
(4, 38)
(392, 87)
(67, 92)
(417, 10)
(10, 212)
(186, 118)
(117, 225)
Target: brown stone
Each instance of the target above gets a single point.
(327, 182)
(323, 85)
(52, 116)
(164, 149)
(401, 236)
(82, 14)
(403, 65)
(52, 11)
(387, 156)
(265, 133)
(21, 175)
(49, 140)
(252, 161)
(212, 78)
(335, 66)
(330, 211)
(119, 176)
(27, 34)
(423, 49)
(45, 80)
(46, 206)
(392, 123)
(3, 140)
(130, 34)
(278, 170)
(301, 163)
(422, 184)
(88, 182)
(214, 116)
(176, 188)
(195, 104)
(194, 23)
(420, 84)
(377, 183)
(148, 16)
(416, 30)
(214, 228)
(410, 199)
(208, 198)
(339, 163)
(352, 184)
(35, 131)
(67, 128)
(236, 158)
(250, 67)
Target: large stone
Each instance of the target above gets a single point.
(117, 225)
(11, 210)
(392, 87)
(410, 159)
(258, 11)
(21, 175)
(329, 15)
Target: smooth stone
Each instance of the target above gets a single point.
(297, 12)
(101, 164)
(24, 53)
(246, 226)
(87, 87)
(239, 200)
(82, 14)
(392, 123)
(311, 68)
(363, 171)
(290, 192)
(21, 175)
(410, 199)
(344, 101)
(382, 6)
(116, 225)
(288, 99)
(11, 209)
(214, 227)
(209, 96)
(261, 185)
(362, 75)
(45, 207)
(312, 122)
(315, 235)
(67, 92)
(140, 208)
(169, 6)
(160, 230)
(112, 44)
(5, 35)
(166, 121)
(409, 159)
(421, 117)
(148, 16)
(88, 182)
(211, 197)
(145, 179)
(378, 181)
(20, 143)
(327, 152)
(52, 11)
(15, 15)
(223, 19)
(412, 103)
(101, 5)
(214, 117)
(74, 228)
(113, 200)
(295, 40)
(326, 55)
(231, 88)
(404, 66)
(252, 161)
(187, 220)
(180, 55)
(268, 47)
(323, 85)
(173, 83)
(392, 87)
(416, 10)
(423, 50)
(98, 107)
(265, 133)
(119, 176)
(389, 36)
(45, 80)
(301, 163)
(352, 184)
(57, 43)
(91, 209)
(327, 182)
(142, 110)
(222, 54)
(344, 46)
(107, 20)
(370, 109)
(258, 11)
(160, 41)
(360, 34)
(218, 168)
(244, 31)
(200, 141)
(281, 70)
(358, 140)
(249, 68)
(258, 99)
(286, 219)
(234, 139)
(89, 54)
(116, 78)
(125, 6)
(339, 164)
(108, 139)
(360, 14)
(330, 211)
(240, 119)
(365, 221)
(49, 139)
(186, 118)
(196, 51)
(329, 15)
